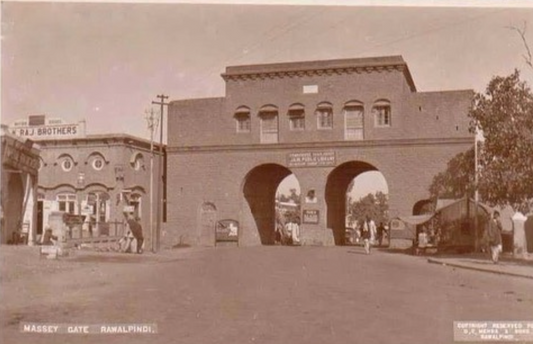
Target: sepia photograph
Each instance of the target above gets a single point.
(264, 172)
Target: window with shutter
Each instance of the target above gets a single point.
(269, 127)
(297, 119)
(353, 119)
(382, 114)
(324, 115)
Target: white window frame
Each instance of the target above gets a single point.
(296, 120)
(64, 163)
(320, 112)
(246, 118)
(348, 131)
(69, 200)
(381, 119)
(98, 159)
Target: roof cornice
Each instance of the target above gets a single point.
(320, 68)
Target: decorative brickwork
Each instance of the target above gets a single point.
(209, 160)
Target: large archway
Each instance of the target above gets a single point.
(259, 190)
(336, 187)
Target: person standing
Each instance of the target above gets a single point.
(365, 234)
(381, 232)
(136, 231)
(373, 230)
(494, 231)
(295, 232)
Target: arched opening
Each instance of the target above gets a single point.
(208, 218)
(99, 206)
(260, 188)
(349, 187)
(13, 208)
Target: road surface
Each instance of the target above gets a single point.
(268, 294)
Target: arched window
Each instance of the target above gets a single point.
(296, 117)
(99, 204)
(324, 115)
(382, 113)
(353, 120)
(243, 119)
(269, 124)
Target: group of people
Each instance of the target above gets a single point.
(287, 233)
(370, 234)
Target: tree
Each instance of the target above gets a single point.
(457, 180)
(505, 115)
(375, 206)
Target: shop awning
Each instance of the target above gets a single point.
(416, 219)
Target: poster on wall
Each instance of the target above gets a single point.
(310, 216)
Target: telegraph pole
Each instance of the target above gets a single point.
(162, 98)
(153, 123)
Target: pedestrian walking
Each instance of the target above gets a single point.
(494, 233)
(295, 231)
(366, 235)
(136, 230)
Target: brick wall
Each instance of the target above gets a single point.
(116, 151)
(219, 177)
(209, 163)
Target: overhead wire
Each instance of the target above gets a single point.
(275, 33)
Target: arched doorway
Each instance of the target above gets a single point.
(208, 218)
(13, 208)
(99, 206)
(337, 185)
(260, 187)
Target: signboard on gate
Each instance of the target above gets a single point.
(310, 216)
(311, 159)
(227, 230)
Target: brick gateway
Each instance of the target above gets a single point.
(324, 121)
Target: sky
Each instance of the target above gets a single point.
(106, 62)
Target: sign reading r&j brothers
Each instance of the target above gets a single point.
(311, 159)
(49, 131)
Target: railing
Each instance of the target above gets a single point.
(101, 232)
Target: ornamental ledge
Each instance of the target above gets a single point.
(314, 72)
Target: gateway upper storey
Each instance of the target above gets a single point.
(320, 101)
